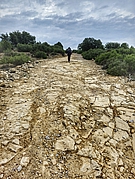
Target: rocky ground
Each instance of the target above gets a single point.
(66, 120)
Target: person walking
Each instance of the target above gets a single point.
(69, 52)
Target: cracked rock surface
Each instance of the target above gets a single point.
(66, 120)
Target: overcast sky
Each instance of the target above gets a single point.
(70, 21)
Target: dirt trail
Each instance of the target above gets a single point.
(67, 120)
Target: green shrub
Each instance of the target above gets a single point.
(117, 68)
(24, 48)
(8, 52)
(15, 60)
(130, 61)
(40, 54)
(103, 58)
(5, 45)
(92, 53)
(58, 50)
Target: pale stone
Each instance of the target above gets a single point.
(1, 175)
(41, 110)
(19, 168)
(73, 133)
(112, 125)
(15, 141)
(120, 162)
(113, 155)
(102, 101)
(121, 124)
(96, 167)
(121, 135)
(108, 131)
(87, 151)
(14, 147)
(4, 160)
(128, 143)
(133, 171)
(117, 99)
(45, 163)
(86, 166)
(5, 142)
(113, 142)
(64, 144)
(121, 169)
(100, 137)
(25, 125)
(53, 161)
(105, 119)
(16, 129)
(24, 161)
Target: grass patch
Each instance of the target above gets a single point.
(17, 59)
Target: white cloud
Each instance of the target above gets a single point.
(70, 21)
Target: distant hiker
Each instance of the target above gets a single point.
(69, 52)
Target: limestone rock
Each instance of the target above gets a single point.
(86, 166)
(121, 135)
(64, 144)
(14, 147)
(120, 124)
(24, 161)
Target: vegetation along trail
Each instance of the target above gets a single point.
(66, 120)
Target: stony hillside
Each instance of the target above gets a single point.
(66, 120)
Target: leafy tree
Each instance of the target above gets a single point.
(59, 44)
(16, 59)
(130, 61)
(40, 54)
(90, 43)
(18, 37)
(5, 45)
(117, 68)
(112, 45)
(4, 37)
(92, 53)
(24, 48)
(125, 45)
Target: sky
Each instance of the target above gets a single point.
(70, 21)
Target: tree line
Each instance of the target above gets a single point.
(117, 59)
(24, 42)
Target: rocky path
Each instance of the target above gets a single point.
(67, 120)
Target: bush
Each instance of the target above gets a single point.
(8, 52)
(58, 50)
(5, 45)
(24, 48)
(104, 58)
(15, 60)
(117, 68)
(92, 53)
(40, 54)
(130, 61)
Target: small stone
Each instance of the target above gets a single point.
(19, 168)
(47, 137)
(45, 163)
(14, 147)
(16, 141)
(133, 171)
(4, 118)
(26, 126)
(5, 142)
(65, 144)
(1, 175)
(121, 169)
(24, 161)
